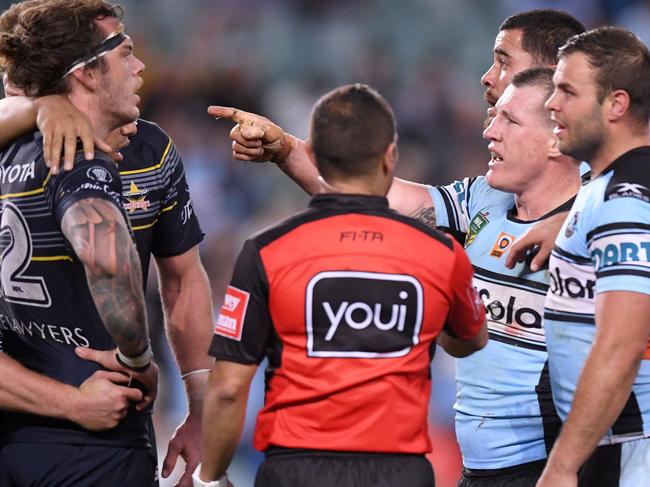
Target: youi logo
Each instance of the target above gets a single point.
(362, 314)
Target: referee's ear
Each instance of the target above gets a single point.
(389, 160)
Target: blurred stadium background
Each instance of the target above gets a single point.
(276, 57)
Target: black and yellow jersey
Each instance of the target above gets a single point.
(46, 308)
(156, 196)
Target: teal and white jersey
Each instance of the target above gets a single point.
(504, 409)
(604, 245)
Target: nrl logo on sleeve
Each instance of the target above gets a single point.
(99, 174)
(628, 190)
(230, 322)
(477, 224)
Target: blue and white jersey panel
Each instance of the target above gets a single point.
(504, 411)
(604, 245)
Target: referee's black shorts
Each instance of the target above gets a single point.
(310, 468)
(62, 465)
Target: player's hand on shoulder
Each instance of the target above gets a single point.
(103, 400)
(61, 124)
(255, 138)
(534, 246)
(107, 359)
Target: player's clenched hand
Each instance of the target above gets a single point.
(61, 124)
(185, 442)
(101, 403)
(255, 138)
(537, 242)
(148, 378)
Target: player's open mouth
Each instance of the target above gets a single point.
(559, 128)
(495, 158)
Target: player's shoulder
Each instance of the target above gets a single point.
(630, 176)
(151, 135)
(268, 235)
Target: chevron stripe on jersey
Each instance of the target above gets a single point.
(604, 245)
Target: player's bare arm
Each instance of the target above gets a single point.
(256, 138)
(223, 412)
(60, 123)
(100, 238)
(605, 382)
(99, 403)
(187, 305)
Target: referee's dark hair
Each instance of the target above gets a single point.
(40, 39)
(351, 129)
(544, 32)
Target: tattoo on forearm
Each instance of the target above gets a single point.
(427, 216)
(101, 240)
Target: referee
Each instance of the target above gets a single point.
(346, 300)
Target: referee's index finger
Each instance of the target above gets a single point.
(229, 113)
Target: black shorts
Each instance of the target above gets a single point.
(524, 475)
(308, 468)
(60, 465)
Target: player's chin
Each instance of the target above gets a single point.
(494, 180)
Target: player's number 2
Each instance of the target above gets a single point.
(16, 257)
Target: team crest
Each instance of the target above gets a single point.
(571, 227)
(503, 243)
(135, 199)
(477, 224)
(99, 174)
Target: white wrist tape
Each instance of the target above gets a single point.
(197, 482)
(135, 363)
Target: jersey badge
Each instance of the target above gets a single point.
(230, 322)
(135, 199)
(477, 224)
(571, 227)
(502, 244)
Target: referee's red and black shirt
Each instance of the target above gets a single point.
(346, 300)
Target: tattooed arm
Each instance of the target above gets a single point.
(99, 236)
(414, 200)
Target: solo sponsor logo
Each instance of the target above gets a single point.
(570, 286)
(509, 312)
(362, 314)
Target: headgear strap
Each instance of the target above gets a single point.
(113, 40)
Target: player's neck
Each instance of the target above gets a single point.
(554, 188)
(88, 105)
(615, 146)
(352, 186)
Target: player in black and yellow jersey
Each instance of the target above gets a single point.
(157, 201)
(70, 272)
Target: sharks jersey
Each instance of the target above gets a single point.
(604, 245)
(504, 410)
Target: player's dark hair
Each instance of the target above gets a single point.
(40, 39)
(544, 31)
(540, 77)
(351, 127)
(621, 61)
